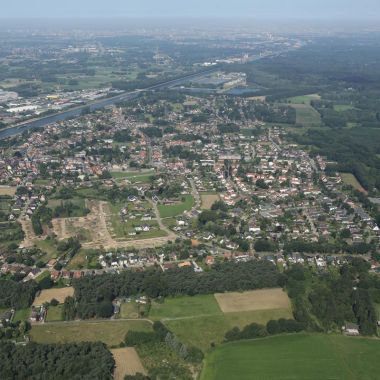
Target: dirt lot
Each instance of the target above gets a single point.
(127, 362)
(208, 200)
(96, 225)
(48, 294)
(7, 190)
(254, 300)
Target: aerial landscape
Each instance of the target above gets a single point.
(190, 191)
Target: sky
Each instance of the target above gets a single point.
(255, 9)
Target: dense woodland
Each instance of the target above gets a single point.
(326, 301)
(17, 295)
(56, 362)
(94, 295)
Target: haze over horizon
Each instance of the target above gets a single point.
(225, 9)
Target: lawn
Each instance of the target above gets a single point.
(169, 211)
(54, 313)
(21, 315)
(111, 333)
(301, 356)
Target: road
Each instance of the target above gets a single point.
(195, 194)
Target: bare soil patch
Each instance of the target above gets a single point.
(127, 362)
(47, 295)
(263, 299)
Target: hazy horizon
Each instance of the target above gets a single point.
(209, 9)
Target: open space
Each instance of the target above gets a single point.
(127, 362)
(109, 332)
(302, 356)
(208, 200)
(199, 320)
(306, 115)
(254, 300)
(350, 179)
(59, 294)
(304, 99)
(168, 211)
(7, 190)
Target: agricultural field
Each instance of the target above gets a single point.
(350, 179)
(7, 190)
(262, 299)
(306, 115)
(59, 294)
(298, 356)
(110, 332)
(343, 107)
(303, 99)
(127, 362)
(199, 320)
(208, 200)
(169, 211)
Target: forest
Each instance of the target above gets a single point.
(17, 295)
(94, 295)
(59, 361)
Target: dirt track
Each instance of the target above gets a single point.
(96, 224)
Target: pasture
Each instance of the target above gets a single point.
(199, 320)
(306, 115)
(298, 356)
(127, 362)
(208, 200)
(59, 294)
(262, 299)
(110, 332)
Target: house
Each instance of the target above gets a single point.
(6, 316)
(351, 329)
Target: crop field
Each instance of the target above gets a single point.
(263, 299)
(7, 190)
(199, 320)
(306, 115)
(127, 362)
(208, 200)
(350, 179)
(296, 357)
(110, 332)
(169, 211)
(47, 295)
(304, 99)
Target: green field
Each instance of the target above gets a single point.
(343, 107)
(21, 315)
(303, 99)
(110, 332)
(302, 356)
(169, 211)
(54, 313)
(306, 115)
(199, 321)
(350, 179)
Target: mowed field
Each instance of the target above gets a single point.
(306, 115)
(208, 200)
(47, 295)
(295, 357)
(7, 190)
(200, 321)
(127, 362)
(111, 332)
(263, 299)
(350, 179)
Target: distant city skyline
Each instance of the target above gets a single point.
(255, 9)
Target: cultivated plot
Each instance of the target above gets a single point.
(127, 363)
(47, 295)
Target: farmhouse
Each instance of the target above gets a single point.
(351, 329)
